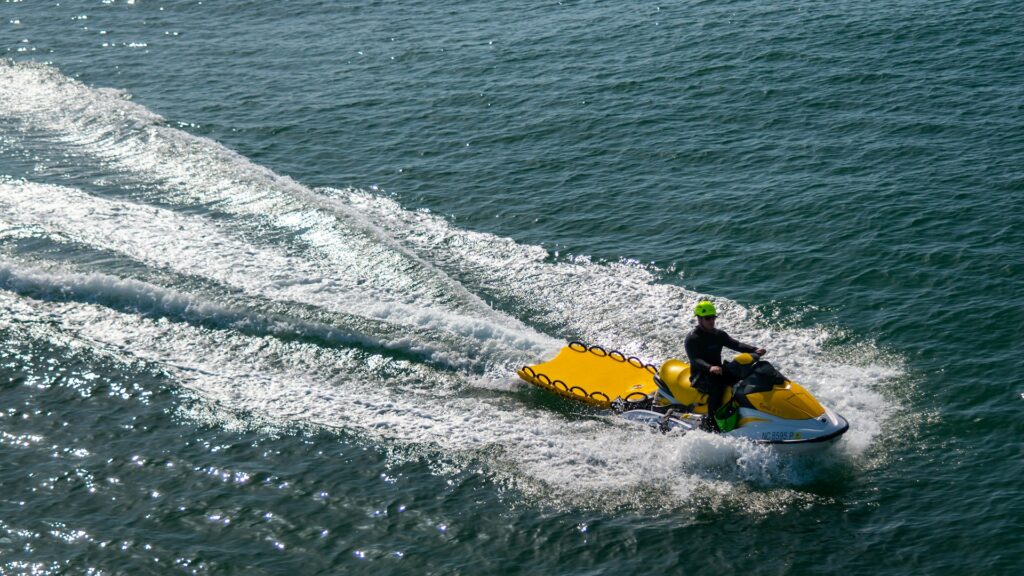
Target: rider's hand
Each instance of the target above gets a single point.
(760, 351)
(716, 370)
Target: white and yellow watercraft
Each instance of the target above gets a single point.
(763, 406)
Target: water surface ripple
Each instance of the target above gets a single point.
(266, 270)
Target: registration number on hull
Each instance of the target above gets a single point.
(777, 436)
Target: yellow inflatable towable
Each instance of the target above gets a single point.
(593, 375)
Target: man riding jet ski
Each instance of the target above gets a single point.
(762, 406)
(704, 349)
(757, 402)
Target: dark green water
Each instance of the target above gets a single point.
(266, 271)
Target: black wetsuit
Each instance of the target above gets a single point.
(704, 348)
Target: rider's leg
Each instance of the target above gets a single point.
(715, 389)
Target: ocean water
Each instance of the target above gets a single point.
(267, 270)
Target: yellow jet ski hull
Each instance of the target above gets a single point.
(593, 375)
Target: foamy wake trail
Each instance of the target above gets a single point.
(359, 255)
(194, 245)
(134, 146)
(145, 298)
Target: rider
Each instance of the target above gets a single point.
(704, 348)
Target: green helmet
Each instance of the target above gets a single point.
(704, 309)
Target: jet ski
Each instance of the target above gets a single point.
(763, 406)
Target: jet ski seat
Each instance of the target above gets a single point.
(674, 388)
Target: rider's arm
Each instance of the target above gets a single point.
(734, 344)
